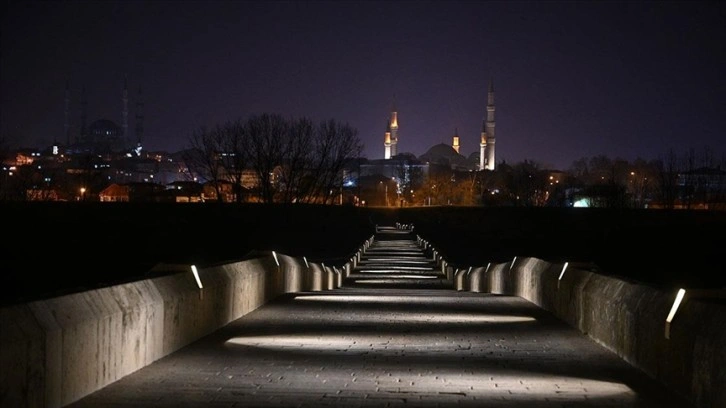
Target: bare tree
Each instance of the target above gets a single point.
(293, 159)
(668, 179)
(334, 144)
(410, 177)
(528, 183)
(267, 134)
(297, 158)
(235, 146)
(203, 157)
(687, 178)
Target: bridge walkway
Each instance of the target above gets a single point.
(395, 260)
(395, 335)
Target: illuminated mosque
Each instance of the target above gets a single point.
(449, 154)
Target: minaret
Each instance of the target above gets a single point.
(66, 119)
(139, 130)
(483, 146)
(387, 141)
(488, 137)
(84, 114)
(125, 111)
(394, 129)
(455, 145)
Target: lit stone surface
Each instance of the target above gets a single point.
(390, 347)
(390, 341)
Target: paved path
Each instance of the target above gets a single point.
(394, 345)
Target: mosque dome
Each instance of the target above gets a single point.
(104, 129)
(443, 154)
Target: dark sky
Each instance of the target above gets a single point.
(572, 79)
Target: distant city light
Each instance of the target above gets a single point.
(581, 203)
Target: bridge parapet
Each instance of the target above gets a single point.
(626, 317)
(58, 350)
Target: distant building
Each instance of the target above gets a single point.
(390, 142)
(103, 136)
(487, 155)
(446, 156)
(114, 193)
(443, 152)
(185, 192)
(220, 190)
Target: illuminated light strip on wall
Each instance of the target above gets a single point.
(512, 264)
(196, 276)
(274, 255)
(674, 309)
(307, 265)
(563, 271)
(562, 274)
(487, 269)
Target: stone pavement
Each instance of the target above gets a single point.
(396, 344)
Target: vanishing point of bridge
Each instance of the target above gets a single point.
(396, 334)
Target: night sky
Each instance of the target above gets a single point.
(572, 79)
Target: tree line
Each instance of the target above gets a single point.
(291, 160)
(687, 180)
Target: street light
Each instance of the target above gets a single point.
(83, 194)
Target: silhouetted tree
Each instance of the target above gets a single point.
(668, 179)
(203, 158)
(267, 137)
(527, 182)
(234, 156)
(297, 158)
(334, 144)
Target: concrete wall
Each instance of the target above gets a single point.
(627, 318)
(56, 351)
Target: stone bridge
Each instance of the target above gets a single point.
(396, 325)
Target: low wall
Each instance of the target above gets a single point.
(56, 351)
(627, 318)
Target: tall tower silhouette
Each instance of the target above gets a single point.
(455, 143)
(139, 130)
(125, 110)
(84, 114)
(486, 147)
(66, 117)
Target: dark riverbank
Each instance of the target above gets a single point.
(56, 248)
